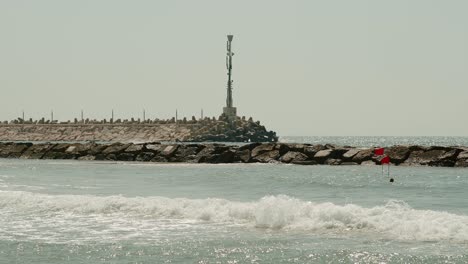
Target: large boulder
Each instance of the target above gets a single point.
(100, 156)
(220, 148)
(116, 148)
(13, 150)
(205, 154)
(330, 146)
(159, 158)
(463, 155)
(450, 155)
(110, 157)
(418, 148)
(348, 155)
(169, 150)
(263, 148)
(59, 151)
(154, 147)
(135, 148)
(368, 163)
(210, 153)
(296, 147)
(242, 155)
(62, 147)
(398, 154)
(225, 157)
(282, 148)
(87, 157)
(363, 155)
(293, 156)
(266, 157)
(332, 162)
(185, 153)
(310, 151)
(144, 156)
(250, 146)
(126, 156)
(436, 157)
(36, 151)
(339, 152)
(323, 155)
(96, 149)
(462, 159)
(81, 149)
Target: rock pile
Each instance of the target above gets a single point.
(239, 131)
(301, 154)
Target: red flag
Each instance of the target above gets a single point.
(385, 160)
(379, 151)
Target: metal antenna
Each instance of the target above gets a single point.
(229, 111)
(229, 55)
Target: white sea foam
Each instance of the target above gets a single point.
(394, 220)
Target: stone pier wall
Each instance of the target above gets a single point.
(184, 130)
(301, 154)
(97, 132)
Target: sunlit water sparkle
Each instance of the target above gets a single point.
(92, 212)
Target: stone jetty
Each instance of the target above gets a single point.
(301, 154)
(135, 130)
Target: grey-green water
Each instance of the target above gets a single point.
(375, 141)
(102, 212)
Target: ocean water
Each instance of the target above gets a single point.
(378, 141)
(104, 212)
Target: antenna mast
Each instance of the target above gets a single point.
(229, 111)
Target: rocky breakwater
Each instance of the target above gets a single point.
(301, 154)
(135, 130)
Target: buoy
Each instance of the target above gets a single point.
(392, 180)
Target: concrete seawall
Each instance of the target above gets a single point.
(301, 154)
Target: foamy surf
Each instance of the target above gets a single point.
(395, 219)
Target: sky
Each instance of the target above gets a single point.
(303, 68)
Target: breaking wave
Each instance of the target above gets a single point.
(395, 219)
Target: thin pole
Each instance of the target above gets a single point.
(82, 119)
(51, 115)
(112, 114)
(23, 115)
(144, 115)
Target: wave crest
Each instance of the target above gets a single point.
(395, 219)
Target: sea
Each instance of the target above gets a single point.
(68, 211)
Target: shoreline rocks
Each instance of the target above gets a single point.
(299, 154)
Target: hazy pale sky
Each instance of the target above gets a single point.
(363, 67)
